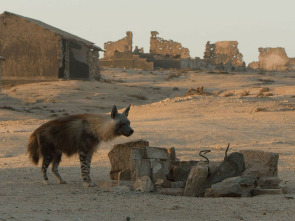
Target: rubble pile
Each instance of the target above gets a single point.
(137, 166)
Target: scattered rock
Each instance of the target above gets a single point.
(196, 180)
(178, 184)
(163, 183)
(144, 184)
(269, 182)
(233, 187)
(232, 166)
(170, 191)
(260, 164)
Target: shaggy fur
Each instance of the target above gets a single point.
(74, 134)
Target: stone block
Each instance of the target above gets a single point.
(144, 184)
(158, 170)
(140, 167)
(170, 191)
(260, 164)
(114, 175)
(233, 187)
(120, 156)
(155, 153)
(196, 180)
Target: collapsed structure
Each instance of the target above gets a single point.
(119, 54)
(36, 51)
(273, 59)
(137, 166)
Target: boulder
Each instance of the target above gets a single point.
(196, 179)
(161, 183)
(233, 165)
(144, 184)
(233, 187)
(120, 156)
(260, 164)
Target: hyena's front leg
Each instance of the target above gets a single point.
(55, 164)
(85, 161)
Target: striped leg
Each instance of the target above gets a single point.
(85, 161)
(55, 164)
(45, 164)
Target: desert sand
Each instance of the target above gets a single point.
(232, 110)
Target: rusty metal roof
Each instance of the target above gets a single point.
(63, 34)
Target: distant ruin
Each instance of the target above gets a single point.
(118, 54)
(273, 59)
(122, 45)
(160, 46)
(223, 53)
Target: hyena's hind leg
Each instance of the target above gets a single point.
(55, 164)
(85, 161)
(47, 159)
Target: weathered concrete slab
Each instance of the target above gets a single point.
(260, 164)
(233, 187)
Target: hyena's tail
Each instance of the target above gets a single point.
(34, 148)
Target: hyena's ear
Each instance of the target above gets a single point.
(126, 112)
(114, 112)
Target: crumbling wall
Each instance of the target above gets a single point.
(32, 53)
(167, 47)
(273, 59)
(122, 45)
(223, 53)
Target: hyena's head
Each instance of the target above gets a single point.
(122, 122)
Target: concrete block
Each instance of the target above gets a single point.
(144, 184)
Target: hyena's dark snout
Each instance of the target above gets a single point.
(129, 132)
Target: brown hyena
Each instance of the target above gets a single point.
(73, 134)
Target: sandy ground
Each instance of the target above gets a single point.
(163, 115)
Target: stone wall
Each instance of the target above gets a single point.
(223, 52)
(273, 59)
(167, 47)
(126, 60)
(122, 45)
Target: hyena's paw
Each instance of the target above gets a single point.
(62, 182)
(89, 184)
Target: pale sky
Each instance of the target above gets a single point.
(253, 23)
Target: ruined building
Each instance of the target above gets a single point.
(160, 46)
(119, 54)
(224, 53)
(273, 59)
(36, 51)
(122, 45)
